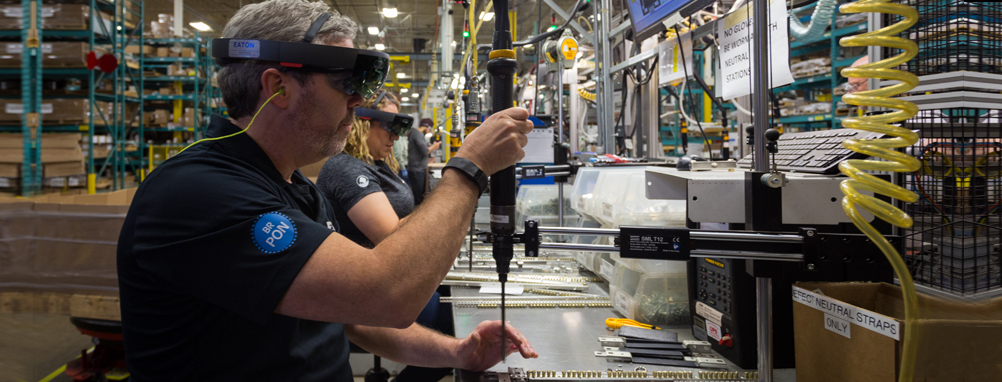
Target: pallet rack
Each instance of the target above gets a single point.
(111, 35)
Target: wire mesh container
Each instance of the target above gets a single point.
(953, 35)
(954, 243)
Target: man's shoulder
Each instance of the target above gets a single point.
(203, 173)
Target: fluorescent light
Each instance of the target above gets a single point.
(403, 90)
(380, 47)
(390, 12)
(401, 75)
(200, 26)
(373, 30)
(486, 16)
(405, 99)
(454, 44)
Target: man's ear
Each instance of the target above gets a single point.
(278, 86)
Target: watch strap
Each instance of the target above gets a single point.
(471, 171)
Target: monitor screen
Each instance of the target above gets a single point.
(646, 15)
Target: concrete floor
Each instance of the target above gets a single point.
(33, 345)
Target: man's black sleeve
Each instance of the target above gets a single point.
(222, 234)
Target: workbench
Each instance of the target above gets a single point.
(565, 338)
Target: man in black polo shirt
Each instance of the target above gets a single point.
(230, 266)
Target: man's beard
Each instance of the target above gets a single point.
(328, 138)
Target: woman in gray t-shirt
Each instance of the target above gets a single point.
(370, 199)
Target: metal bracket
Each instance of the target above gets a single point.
(707, 362)
(616, 342)
(697, 346)
(574, 24)
(615, 355)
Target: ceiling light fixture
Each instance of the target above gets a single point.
(401, 75)
(390, 12)
(373, 30)
(380, 47)
(486, 16)
(203, 27)
(405, 99)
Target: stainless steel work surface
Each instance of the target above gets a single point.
(565, 338)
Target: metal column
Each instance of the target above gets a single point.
(446, 34)
(604, 83)
(760, 109)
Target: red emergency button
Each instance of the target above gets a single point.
(726, 341)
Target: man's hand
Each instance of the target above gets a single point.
(498, 142)
(435, 146)
(482, 348)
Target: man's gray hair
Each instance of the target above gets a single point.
(278, 20)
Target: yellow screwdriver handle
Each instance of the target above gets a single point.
(616, 323)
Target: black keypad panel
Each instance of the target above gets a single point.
(714, 286)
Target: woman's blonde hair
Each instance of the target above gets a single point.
(356, 145)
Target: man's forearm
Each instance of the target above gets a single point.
(415, 345)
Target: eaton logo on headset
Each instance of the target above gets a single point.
(273, 232)
(245, 48)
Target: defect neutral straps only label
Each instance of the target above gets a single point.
(835, 309)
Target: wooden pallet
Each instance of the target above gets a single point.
(68, 304)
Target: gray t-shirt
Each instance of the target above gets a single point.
(345, 180)
(417, 152)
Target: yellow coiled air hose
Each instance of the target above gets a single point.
(884, 149)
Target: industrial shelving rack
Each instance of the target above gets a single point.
(821, 84)
(112, 35)
(196, 91)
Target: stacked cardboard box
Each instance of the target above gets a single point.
(145, 50)
(56, 16)
(66, 54)
(56, 242)
(61, 155)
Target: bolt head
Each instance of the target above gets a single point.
(810, 266)
(810, 233)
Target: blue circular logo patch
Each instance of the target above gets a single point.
(273, 232)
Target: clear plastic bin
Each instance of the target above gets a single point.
(651, 291)
(618, 196)
(539, 202)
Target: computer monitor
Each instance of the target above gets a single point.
(647, 15)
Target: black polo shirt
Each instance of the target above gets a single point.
(212, 242)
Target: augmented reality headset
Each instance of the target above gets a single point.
(395, 123)
(364, 70)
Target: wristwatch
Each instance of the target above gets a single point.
(470, 170)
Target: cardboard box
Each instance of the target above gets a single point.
(10, 170)
(62, 241)
(161, 117)
(55, 169)
(56, 147)
(163, 51)
(54, 54)
(145, 50)
(54, 17)
(187, 52)
(852, 332)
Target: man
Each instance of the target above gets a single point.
(229, 263)
(417, 159)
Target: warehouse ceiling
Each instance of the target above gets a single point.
(416, 19)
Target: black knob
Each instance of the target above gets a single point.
(772, 134)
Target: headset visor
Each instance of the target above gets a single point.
(395, 123)
(354, 71)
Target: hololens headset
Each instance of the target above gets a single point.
(364, 70)
(395, 123)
